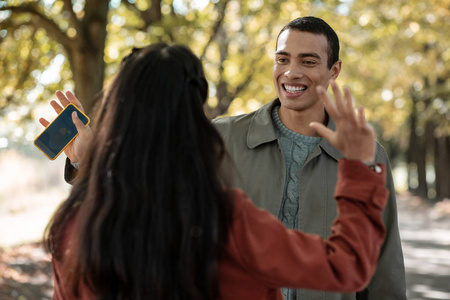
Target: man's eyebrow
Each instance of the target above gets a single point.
(283, 53)
(312, 54)
(301, 55)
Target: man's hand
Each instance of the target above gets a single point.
(354, 137)
(76, 149)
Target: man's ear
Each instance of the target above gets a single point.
(336, 69)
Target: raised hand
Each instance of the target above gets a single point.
(354, 137)
(76, 149)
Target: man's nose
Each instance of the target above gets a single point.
(293, 72)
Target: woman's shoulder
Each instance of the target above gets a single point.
(240, 201)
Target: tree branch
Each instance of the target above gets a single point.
(148, 16)
(21, 78)
(221, 7)
(154, 12)
(249, 78)
(29, 66)
(131, 6)
(45, 23)
(73, 17)
(9, 24)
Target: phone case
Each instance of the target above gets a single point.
(60, 132)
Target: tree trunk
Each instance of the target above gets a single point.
(88, 74)
(222, 94)
(421, 161)
(86, 54)
(442, 166)
(416, 154)
(410, 152)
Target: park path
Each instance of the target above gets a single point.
(25, 271)
(425, 234)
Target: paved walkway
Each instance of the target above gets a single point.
(26, 273)
(425, 237)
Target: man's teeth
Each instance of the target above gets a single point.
(294, 89)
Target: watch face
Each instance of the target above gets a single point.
(373, 166)
(377, 168)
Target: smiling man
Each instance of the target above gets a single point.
(300, 65)
(289, 170)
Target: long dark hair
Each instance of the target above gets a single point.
(151, 210)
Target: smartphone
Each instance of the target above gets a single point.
(59, 133)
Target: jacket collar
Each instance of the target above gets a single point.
(261, 131)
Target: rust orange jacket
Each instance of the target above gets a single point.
(262, 255)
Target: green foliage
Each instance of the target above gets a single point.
(392, 52)
(397, 49)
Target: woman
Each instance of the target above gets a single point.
(152, 214)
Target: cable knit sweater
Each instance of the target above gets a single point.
(296, 148)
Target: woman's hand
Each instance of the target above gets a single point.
(76, 149)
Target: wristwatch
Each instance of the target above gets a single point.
(373, 166)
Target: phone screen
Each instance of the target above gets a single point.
(58, 134)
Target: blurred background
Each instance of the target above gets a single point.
(396, 61)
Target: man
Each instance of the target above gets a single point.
(286, 168)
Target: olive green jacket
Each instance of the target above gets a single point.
(251, 141)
